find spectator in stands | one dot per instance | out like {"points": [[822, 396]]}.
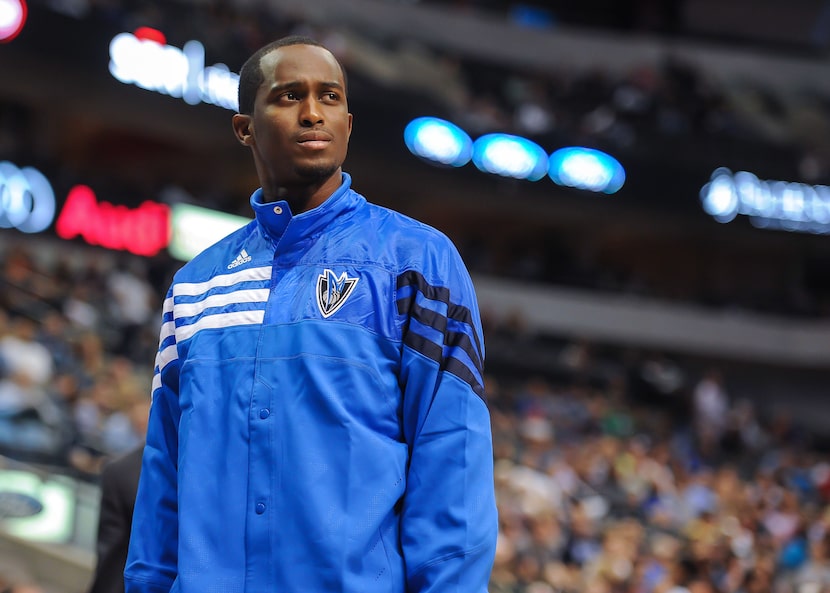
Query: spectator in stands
{"points": [[132, 299], [711, 412], [119, 482], [30, 421], [23, 356]]}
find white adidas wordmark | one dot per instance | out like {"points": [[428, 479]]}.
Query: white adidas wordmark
{"points": [[242, 258]]}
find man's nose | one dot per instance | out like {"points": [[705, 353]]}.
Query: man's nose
{"points": [[311, 113]]}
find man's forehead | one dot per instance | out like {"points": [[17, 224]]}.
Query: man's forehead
{"points": [[299, 58]]}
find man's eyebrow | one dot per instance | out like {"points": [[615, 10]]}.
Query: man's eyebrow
{"points": [[282, 86], [294, 84]]}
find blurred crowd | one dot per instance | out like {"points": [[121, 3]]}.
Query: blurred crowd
{"points": [[602, 487], [77, 345], [601, 492]]}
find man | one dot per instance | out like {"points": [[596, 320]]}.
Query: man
{"points": [[119, 481], [318, 421]]}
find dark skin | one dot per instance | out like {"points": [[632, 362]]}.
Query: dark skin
{"points": [[300, 126]]}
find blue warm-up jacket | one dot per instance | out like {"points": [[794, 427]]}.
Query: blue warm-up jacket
{"points": [[318, 422]]}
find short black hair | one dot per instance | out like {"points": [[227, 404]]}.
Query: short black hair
{"points": [[251, 77]]}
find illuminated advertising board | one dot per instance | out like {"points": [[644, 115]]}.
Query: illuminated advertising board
{"points": [[144, 230], [145, 60], [36, 507], [27, 203], [195, 228]]}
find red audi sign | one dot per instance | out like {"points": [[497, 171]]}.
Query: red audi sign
{"points": [[144, 230]]}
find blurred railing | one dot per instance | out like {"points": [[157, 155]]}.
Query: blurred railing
{"points": [[650, 323]]}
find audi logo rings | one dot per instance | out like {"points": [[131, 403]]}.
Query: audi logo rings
{"points": [[27, 201]]}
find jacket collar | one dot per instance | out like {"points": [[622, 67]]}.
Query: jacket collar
{"points": [[278, 224]]}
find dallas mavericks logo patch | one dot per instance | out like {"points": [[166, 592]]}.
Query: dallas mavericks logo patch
{"points": [[332, 291]]}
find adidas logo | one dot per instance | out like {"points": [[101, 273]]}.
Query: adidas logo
{"points": [[242, 258]]}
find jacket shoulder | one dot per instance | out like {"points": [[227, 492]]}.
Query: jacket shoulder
{"points": [[412, 243], [215, 259]]}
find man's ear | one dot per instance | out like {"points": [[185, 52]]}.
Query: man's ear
{"points": [[242, 128]]}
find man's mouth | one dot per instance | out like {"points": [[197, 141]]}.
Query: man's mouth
{"points": [[314, 140], [314, 144]]}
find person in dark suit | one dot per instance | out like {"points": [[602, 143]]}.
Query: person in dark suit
{"points": [[119, 483]]}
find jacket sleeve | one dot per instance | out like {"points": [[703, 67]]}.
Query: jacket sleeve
{"points": [[448, 516], [152, 558]]}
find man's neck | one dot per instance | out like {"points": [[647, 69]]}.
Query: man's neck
{"points": [[303, 198]]}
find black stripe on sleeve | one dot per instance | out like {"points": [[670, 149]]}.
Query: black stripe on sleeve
{"points": [[453, 339], [456, 312], [407, 306], [452, 365]]}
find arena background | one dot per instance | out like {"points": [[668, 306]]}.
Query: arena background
{"points": [[640, 353]]}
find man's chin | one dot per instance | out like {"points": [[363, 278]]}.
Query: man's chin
{"points": [[316, 173]]}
